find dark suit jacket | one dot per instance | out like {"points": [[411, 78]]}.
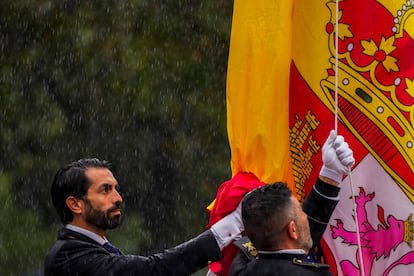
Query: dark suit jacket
{"points": [[76, 254]]}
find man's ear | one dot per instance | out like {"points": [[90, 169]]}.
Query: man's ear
{"points": [[292, 230], [74, 204]]}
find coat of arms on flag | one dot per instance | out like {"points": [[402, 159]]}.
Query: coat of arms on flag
{"points": [[375, 108]]}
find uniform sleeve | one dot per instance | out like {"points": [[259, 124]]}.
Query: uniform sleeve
{"points": [[238, 266], [319, 206]]}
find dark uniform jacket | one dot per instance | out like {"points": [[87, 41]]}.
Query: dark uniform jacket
{"points": [[76, 254], [276, 264], [319, 210]]}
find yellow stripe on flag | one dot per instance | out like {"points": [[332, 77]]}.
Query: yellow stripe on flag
{"points": [[258, 89]]}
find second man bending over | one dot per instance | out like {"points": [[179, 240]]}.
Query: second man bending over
{"points": [[281, 230]]}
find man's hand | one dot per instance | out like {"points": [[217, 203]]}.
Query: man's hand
{"points": [[337, 158]]}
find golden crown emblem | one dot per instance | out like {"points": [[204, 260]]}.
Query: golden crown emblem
{"points": [[375, 82]]}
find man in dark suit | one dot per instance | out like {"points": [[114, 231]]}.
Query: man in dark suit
{"points": [[85, 195]]}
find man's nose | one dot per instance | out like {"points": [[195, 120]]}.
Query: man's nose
{"points": [[118, 197]]}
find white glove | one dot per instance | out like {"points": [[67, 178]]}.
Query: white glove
{"points": [[337, 157], [228, 228]]}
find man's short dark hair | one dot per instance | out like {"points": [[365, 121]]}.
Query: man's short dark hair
{"points": [[71, 180], [265, 213]]}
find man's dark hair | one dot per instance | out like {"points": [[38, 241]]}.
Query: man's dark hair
{"points": [[266, 212], [71, 180]]}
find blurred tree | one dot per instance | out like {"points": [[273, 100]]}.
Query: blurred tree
{"points": [[140, 83]]}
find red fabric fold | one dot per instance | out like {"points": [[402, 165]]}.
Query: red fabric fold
{"points": [[229, 195]]}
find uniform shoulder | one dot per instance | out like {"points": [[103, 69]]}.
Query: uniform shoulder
{"points": [[247, 247], [312, 265]]}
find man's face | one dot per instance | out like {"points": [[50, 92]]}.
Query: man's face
{"points": [[102, 201], [304, 241]]}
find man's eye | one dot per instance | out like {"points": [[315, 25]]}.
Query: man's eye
{"points": [[106, 188]]}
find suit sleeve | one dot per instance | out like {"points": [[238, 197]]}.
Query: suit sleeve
{"points": [[82, 258], [183, 259]]}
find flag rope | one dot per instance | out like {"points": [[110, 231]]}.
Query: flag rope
{"points": [[362, 267], [336, 64], [361, 259]]}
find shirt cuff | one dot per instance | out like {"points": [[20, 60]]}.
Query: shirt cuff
{"points": [[228, 229]]}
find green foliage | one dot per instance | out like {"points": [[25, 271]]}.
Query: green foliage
{"points": [[21, 235], [140, 83]]}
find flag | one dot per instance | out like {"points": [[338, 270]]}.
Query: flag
{"points": [[371, 229], [375, 84], [258, 88], [257, 97]]}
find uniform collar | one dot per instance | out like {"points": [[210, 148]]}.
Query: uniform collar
{"points": [[286, 251], [282, 255]]}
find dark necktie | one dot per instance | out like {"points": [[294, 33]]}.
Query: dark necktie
{"points": [[108, 246]]}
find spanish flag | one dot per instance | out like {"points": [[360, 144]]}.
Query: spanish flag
{"points": [[298, 68]]}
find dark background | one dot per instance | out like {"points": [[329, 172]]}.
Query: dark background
{"points": [[138, 83]]}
